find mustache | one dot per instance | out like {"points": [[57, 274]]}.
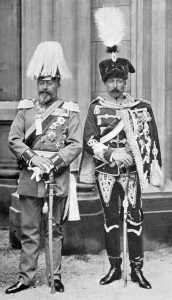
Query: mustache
{"points": [[44, 92], [115, 90]]}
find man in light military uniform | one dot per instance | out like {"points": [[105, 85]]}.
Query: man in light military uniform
{"points": [[121, 134], [45, 135]]}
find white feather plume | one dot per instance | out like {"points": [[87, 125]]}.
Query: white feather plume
{"points": [[110, 25], [47, 57]]}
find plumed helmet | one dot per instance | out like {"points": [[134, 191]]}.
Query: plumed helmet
{"points": [[48, 61], [111, 30]]}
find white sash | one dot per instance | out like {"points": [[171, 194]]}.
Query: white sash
{"points": [[113, 133]]}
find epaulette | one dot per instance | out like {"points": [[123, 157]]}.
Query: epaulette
{"points": [[25, 103], [144, 101], [96, 99], [69, 105]]}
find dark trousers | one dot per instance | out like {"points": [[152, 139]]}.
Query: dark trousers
{"points": [[31, 218], [113, 215]]}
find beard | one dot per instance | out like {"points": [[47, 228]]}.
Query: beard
{"points": [[44, 97]]}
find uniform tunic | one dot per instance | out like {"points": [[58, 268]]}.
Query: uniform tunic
{"points": [[61, 134]]}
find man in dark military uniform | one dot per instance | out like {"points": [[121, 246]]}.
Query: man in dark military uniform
{"points": [[45, 135], [121, 134]]}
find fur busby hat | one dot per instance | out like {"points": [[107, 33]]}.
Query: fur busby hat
{"points": [[111, 30], [48, 62]]}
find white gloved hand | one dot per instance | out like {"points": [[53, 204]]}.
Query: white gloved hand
{"points": [[37, 173], [48, 168], [43, 163], [98, 149], [122, 157]]}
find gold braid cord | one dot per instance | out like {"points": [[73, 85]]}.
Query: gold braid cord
{"points": [[106, 183], [131, 139]]}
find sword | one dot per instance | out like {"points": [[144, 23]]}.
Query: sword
{"points": [[50, 235], [49, 209], [125, 206]]}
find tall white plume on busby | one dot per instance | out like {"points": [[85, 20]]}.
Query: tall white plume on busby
{"points": [[111, 27], [48, 60]]}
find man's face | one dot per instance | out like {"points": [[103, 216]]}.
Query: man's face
{"points": [[115, 87], [47, 89]]}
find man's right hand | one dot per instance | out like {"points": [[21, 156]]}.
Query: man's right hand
{"points": [[43, 163], [122, 158]]}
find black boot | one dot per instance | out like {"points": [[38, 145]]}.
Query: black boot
{"points": [[59, 287], [137, 276], [17, 287], [113, 274]]}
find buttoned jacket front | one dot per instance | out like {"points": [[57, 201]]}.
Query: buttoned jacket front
{"points": [[61, 135]]}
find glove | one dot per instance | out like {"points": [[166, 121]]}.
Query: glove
{"points": [[122, 157], [37, 173], [99, 150]]}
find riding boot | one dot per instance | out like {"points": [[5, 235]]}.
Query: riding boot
{"points": [[137, 275], [114, 273]]}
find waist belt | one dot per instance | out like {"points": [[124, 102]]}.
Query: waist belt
{"points": [[130, 169], [46, 154]]}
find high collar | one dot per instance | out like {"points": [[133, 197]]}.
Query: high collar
{"points": [[124, 101], [42, 107]]}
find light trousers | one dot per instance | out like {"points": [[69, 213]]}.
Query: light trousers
{"points": [[31, 225]]}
